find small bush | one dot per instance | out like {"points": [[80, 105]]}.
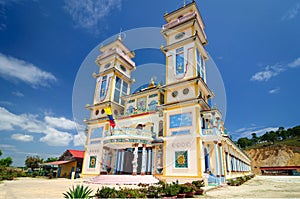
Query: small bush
{"points": [[79, 192]]}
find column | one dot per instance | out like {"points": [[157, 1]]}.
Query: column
{"points": [[217, 158], [134, 161], [144, 160], [149, 160], [122, 161], [221, 161], [229, 163]]}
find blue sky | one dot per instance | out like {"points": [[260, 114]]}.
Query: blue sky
{"points": [[255, 45]]}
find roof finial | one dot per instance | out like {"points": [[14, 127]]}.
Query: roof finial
{"points": [[119, 36]]}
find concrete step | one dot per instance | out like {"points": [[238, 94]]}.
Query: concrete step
{"points": [[123, 179]]}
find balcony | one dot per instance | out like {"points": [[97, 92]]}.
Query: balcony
{"points": [[180, 20], [125, 137], [211, 134]]}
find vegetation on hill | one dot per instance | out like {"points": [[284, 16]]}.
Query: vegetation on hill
{"points": [[280, 137]]}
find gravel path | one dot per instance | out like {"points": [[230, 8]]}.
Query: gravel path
{"points": [[258, 187]]}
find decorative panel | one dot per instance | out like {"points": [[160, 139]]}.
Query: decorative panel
{"points": [[181, 159]]}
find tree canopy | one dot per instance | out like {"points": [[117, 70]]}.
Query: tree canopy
{"points": [[270, 137], [5, 162], [33, 162]]}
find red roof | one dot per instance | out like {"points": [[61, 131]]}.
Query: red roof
{"points": [[280, 168], [77, 153], [57, 162]]}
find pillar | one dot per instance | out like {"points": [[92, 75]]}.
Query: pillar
{"points": [[221, 161], [144, 160], [217, 158], [134, 161], [149, 161]]}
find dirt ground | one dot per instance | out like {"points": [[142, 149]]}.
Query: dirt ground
{"points": [[258, 187]]}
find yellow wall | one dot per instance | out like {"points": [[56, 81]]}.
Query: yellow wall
{"points": [[66, 169]]}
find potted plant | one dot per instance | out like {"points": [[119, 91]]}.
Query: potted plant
{"points": [[171, 190], [189, 189]]}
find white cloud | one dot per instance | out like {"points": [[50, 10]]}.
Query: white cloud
{"points": [[291, 13], [60, 122], [274, 91], [247, 131], [79, 139], [21, 137], [54, 137], [268, 73], [15, 69], [18, 93], [8, 147], [88, 13], [295, 63], [30, 123], [271, 71]]}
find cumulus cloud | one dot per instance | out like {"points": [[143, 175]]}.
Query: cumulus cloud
{"points": [[87, 14], [271, 71], [49, 126], [54, 137], [60, 122], [79, 139], [21, 137], [291, 13], [19, 70]]}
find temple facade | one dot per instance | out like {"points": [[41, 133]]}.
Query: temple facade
{"points": [[170, 131]]}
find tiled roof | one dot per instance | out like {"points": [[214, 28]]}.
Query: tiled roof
{"points": [[77, 153]]}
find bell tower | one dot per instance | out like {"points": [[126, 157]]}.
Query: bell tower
{"points": [[186, 91], [114, 78], [185, 38]]}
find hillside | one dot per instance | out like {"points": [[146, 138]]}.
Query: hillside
{"points": [[274, 156]]}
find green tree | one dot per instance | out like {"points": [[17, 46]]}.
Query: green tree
{"points": [[244, 142], [254, 139], [53, 159], [33, 162], [5, 162]]}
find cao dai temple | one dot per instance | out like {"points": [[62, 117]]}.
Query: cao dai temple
{"points": [[167, 131]]}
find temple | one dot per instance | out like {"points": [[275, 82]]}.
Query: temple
{"points": [[169, 131]]}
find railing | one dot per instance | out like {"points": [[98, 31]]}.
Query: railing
{"points": [[213, 131], [129, 132], [118, 51], [180, 20]]}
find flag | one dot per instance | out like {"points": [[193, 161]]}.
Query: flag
{"points": [[110, 117]]}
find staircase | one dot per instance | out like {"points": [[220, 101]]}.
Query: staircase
{"points": [[123, 179]]}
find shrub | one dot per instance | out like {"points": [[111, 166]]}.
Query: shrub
{"points": [[79, 192]]}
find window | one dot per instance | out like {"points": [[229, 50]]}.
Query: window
{"points": [[121, 89], [181, 120], [179, 61], [161, 128], [96, 133], [103, 88]]}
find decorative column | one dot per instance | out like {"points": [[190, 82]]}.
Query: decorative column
{"points": [[134, 161], [144, 160]]}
